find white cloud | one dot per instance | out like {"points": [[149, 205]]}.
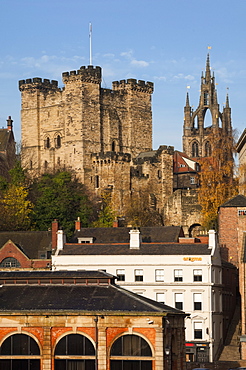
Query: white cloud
{"points": [[140, 63]]}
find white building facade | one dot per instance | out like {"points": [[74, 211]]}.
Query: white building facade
{"points": [[186, 275]]}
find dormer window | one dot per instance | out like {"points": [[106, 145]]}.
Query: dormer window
{"points": [[85, 240]]}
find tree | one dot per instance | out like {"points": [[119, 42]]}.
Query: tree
{"points": [[217, 181], [141, 211], [60, 196], [106, 215], [14, 203]]}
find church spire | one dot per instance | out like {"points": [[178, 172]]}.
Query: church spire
{"points": [[227, 101], [187, 100], [208, 74]]}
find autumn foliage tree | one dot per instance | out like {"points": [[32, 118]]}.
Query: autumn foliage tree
{"points": [[217, 181], [15, 207]]}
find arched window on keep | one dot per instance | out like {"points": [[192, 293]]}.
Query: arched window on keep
{"points": [[47, 143], [58, 141], [131, 352], [19, 351], [75, 352]]}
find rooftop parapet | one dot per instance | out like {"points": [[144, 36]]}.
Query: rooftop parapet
{"points": [[133, 84], [87, 74], [38, 83]]}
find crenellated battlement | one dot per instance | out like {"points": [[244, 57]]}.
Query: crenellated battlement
{"points": [[108, 157], [38, 83], [87, 74], [133, 84]]}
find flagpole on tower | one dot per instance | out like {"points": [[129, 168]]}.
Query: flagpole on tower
{"points": [[90, 36]]}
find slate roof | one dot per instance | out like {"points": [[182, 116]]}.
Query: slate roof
{"points": [[145, 249], [30, 242], [237, 201], [4, 138], [121, 234], [110, 299]]}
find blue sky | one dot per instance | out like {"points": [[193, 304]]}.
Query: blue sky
{"points": [[165, 42]]}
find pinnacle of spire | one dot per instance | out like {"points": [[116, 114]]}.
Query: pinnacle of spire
{"points": [[187, 100], [208, 75], [227, 101]]}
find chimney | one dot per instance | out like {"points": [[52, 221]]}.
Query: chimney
{"points": [[211, 239], [54, 234], [61, 239], [115, 223], [134, 239], [77, 224], [9, 124]]}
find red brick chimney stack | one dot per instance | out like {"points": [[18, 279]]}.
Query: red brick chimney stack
{"points": [[55, 227], [77, 224], [9, 123]]}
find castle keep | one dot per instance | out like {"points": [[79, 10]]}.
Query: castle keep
{"points": [[105, 137]]}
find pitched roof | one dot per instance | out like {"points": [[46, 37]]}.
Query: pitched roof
{"points": [[30, 242], [237, 201], [121, 234], [145, 249], [57, 298], [5, 135]]}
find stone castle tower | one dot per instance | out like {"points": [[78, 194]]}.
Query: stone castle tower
{"points": [[195, 135], [62, 128]]}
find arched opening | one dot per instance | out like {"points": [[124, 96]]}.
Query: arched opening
{"points": [[194, 149], [130, 352], [22, 351], [10, 262], [58, 141], [77, 346], [207, 149], [47, 143], [195, 230]]}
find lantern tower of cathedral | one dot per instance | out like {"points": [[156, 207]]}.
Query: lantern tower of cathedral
{"points": [[195, 135]]}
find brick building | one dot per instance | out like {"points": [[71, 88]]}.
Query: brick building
{"points": [[7, 148], [81, 320], [26, 249]]}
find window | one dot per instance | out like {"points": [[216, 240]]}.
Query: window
{"points": [[130, 352], [96, 181], [10, 262], [208, 150], [197, 299], [47, 143], [74, 345], [120, 274], [192, 180], [58, 141], [113, 146], [178, 275], [205, 96], [23, 353], [160, 297], [197, 275], [138, 275], [159, 275], [194, 150], [197, 330], [179, 301]]}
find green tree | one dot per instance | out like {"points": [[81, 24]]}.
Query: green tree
{"points": [[217, 181], [60, 196], [106, 215]]}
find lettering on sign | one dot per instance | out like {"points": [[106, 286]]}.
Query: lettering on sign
{"points": [[192, 259]]}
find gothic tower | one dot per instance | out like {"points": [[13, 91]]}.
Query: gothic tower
{"points": [[195, 135]]}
